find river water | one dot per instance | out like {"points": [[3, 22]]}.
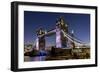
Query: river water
{"points": [[36, 58], [40, 57]]}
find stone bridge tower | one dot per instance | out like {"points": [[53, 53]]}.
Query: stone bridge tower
{"points": [[61, 40], [40, 41]]}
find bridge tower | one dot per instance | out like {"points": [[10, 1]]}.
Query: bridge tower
{"points": [[40, 41], [61, 40]]}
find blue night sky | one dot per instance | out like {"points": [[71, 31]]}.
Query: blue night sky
{"points": [[80, 23]]}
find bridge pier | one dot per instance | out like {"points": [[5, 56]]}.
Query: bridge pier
{"points": [[58, 38], [40, 43], [37, 43], [61, 40]]}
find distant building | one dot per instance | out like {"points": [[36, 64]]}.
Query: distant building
{"points": [[28, 48]]}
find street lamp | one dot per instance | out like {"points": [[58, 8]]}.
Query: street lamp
{"points": [[73, 45]]}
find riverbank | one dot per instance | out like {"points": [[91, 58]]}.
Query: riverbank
{"points": [[59, 54]]}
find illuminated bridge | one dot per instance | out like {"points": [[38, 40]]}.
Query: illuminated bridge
{"points": [[64, 39]]}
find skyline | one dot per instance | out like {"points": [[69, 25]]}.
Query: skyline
{"points": [[80, 23]]}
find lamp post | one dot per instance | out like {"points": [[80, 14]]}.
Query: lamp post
{"points": [[73, 45], [73, 39]]}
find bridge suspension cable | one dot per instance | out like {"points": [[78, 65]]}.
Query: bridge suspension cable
{"points": [[71, 38]]}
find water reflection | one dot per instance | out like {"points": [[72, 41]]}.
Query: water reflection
{"points": [[41, 56], [36, 58]]}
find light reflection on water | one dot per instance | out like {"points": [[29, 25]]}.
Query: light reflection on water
{"points": [[41, 56], [36, 58]]}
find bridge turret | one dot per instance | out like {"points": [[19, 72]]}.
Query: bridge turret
{"points": [[60, 23], [40, 31]]}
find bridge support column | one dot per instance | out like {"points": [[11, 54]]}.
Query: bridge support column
{"points": [[37, 44], [61, 41], [58, 38], [40, 43]]}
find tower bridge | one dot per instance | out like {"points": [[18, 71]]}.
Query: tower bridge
{"points": [[63, 38]]}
